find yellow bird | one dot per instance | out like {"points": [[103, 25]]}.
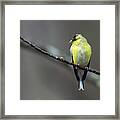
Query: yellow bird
{"points": [[81, 54]]}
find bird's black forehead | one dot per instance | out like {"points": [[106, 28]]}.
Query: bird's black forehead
{"points": [[75, 35], [74, 38]]}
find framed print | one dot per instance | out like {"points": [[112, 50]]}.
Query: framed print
{"points": [[60, 60]]}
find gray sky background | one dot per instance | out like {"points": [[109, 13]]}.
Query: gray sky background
{"points": [[42, 78]]}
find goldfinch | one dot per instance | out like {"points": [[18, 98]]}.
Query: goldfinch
{"points": [[80, 54]]}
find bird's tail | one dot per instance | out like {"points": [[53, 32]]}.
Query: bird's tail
{"points": [[81, 85]]}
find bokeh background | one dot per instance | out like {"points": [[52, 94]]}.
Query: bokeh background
{"points": [[43, 78]]}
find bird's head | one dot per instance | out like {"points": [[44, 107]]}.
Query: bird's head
{"points": [[76, 37]]}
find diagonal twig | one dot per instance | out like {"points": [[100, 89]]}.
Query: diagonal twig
{"points": [[61, 59]]}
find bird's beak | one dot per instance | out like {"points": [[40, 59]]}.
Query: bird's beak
{"points": [[70, 41]]}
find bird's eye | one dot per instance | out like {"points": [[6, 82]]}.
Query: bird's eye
{"points": [[74, 36]]}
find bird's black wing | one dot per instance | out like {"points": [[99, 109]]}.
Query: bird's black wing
{"points": [[85, 72], [77, 75], [76, 72]]}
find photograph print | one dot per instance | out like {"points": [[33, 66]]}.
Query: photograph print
{"points": [[59, 59]]}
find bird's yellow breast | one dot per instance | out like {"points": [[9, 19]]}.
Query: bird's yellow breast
{"points": [[81, 52]]}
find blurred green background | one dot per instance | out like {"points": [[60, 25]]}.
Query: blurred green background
{"points": [[41, 77]]}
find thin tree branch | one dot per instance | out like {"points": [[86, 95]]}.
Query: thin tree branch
{"points": [[61, 59]]}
